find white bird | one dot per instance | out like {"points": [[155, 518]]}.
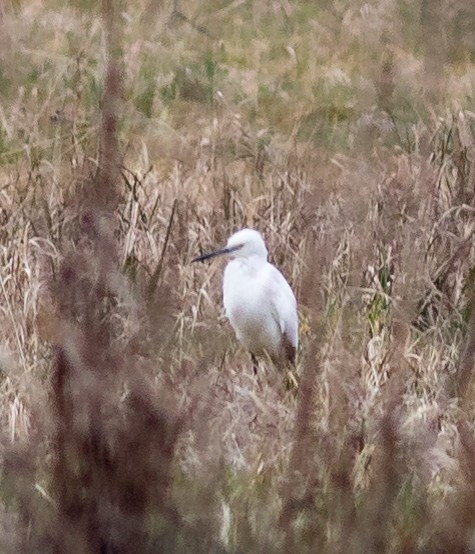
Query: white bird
{"points": [[258, 301]]}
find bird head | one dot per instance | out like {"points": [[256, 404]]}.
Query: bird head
{"points": [[243, 244]]}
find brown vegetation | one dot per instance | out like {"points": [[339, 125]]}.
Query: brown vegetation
{"points": [[132, 138]]}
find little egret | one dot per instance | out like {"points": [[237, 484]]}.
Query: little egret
{"points": [[259, 302]]}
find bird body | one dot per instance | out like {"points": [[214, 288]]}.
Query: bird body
{"points": [[258, 301]]}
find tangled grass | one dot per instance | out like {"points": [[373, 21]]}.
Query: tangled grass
{"points": [[133, 137]]}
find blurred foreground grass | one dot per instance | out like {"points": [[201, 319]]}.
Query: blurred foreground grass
{"points": [[133, 136]]}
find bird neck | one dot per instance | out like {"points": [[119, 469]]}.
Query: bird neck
{"points": [[253, 263]]}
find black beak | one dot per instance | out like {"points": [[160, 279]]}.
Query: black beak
{"points": [[219, 252]]}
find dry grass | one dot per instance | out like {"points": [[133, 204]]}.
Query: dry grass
{"points": [[132, 138]]}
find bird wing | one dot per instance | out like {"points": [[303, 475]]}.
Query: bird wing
{"points": [[284, 306]]}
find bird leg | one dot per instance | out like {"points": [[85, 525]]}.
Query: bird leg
{"points": [[289, 351], [255, 363]]}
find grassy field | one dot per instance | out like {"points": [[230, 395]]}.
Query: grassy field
{"points": [[136, 135]]}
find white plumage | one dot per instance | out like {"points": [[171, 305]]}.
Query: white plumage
{"points": [[259, 302]]}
